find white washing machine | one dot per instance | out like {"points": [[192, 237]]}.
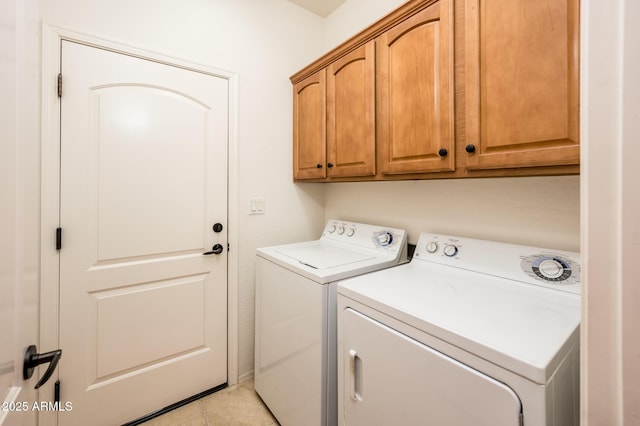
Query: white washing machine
{"points": [[469, 333], [295, 324]]}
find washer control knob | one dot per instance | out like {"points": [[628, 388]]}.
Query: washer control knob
{"points": [[450, 250], [432, 247], [332, 228], [350, 232], [340, 229], [383, 238], [551, 268]]}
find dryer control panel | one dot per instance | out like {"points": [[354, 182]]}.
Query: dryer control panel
{"points": [[552, 268], [556, 269]]}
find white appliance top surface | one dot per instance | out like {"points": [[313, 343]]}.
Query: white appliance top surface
{"points": [[345, 249], [323, 256], [522, 327]]}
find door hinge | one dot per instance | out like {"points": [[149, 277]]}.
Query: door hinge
{"points": [[56, 392], [228, 248], [58, 238], [59, 85]]}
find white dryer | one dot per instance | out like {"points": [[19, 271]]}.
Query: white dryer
{"points": [[295, 323], [470, 333]]}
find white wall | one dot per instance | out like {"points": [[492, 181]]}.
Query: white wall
{"points": [[352, 17], [539, 211], [536, 211], [264, 41]]}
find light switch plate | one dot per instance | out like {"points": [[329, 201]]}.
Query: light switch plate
{"points": [[256, 206]]}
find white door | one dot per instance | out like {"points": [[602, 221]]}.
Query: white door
{"points": [[143, 313], [388, 378], [18, 270]]}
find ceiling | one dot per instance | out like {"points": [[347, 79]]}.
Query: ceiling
{"points": [[319, 7]]}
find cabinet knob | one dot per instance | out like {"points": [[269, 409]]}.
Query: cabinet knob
{"points": [[471, 148], [319, 166], [329, 165], [443, 152]]}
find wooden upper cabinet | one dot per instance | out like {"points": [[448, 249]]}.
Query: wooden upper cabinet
{"points": [[334, 119], [351, 114], [396, 102], [415, 93], [309, 127], [521, 83]]}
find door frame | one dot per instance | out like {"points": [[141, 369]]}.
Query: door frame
{"points": [[52, 38]]}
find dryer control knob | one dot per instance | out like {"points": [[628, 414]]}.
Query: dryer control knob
{"points": [[350, 232], [383, 239], [450, 250], [432, 247], [340, 229], [551, 268], [332, 228]]}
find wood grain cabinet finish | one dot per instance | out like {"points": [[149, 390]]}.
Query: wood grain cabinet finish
{"points": [[445, 89], [522, 83], [351, 138], [415, 93], [309, 127], [334, 119]]}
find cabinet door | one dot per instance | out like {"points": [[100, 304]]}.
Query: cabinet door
{"points": [[390, 379], [415, 93], [522, 83], [309, 124], [351, 111]]}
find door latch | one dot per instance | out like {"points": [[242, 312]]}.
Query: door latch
{"points": [[32, 359], [216, 249]]}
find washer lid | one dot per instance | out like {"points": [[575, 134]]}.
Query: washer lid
{"points": [[328, 261], [320, 256], [522, 328]]}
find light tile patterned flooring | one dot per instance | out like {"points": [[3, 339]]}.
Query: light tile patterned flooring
{"points": [[238, 405]]}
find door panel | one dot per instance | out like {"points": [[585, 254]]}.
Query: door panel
{"points": [[522, 83], [309, 127], [389, 378], [157, 136], [351, 114], [415, 93], [182, 297], [143, 179]]}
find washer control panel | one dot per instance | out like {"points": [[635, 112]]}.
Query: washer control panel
{"points": [[533, 265], [364, 235], [383, 238]]}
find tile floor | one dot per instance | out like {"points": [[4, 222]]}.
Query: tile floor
{"points": [[238, 405]]}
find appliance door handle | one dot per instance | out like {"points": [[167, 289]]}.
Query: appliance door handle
{"points": [[356, 375]]}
